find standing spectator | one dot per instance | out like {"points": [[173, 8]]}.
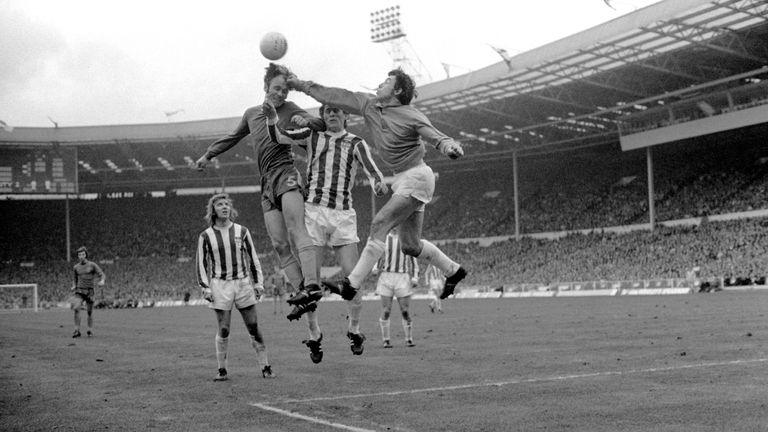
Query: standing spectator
{"points": [[229, 272], [83, 289]]}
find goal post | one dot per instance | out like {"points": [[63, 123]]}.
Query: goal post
{"points": [[18, 297]]}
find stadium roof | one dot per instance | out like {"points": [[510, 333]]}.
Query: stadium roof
{"points": [[574, 92]]}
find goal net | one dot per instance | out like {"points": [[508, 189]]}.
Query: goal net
{"points": [[18, 297]]}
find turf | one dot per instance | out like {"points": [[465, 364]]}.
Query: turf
{"points": [[662, 363]]}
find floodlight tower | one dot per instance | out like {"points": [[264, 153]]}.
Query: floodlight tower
{"points": [[387, 28]]}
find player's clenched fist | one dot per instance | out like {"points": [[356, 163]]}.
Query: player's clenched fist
{"points": [[208, 295]]}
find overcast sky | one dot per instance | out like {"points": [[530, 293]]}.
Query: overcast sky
{"points": [[124, 62]]}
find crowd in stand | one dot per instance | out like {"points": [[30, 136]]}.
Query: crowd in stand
{"points": [[147, 245], [729, 250]]}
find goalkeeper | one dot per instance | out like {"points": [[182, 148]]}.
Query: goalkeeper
{"points": [[229, 272], [398, 132]]}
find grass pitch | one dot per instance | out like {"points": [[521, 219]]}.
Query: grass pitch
{"points": [[663, 363]]}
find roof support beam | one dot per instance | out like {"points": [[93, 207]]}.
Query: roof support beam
{"points": [[707, 37]]}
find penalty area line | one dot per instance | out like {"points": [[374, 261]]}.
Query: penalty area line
{"points": [[309, 418], [529, 380]]}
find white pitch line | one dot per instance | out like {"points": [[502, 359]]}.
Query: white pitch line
{"points": [[309, 419], [524, 381]]}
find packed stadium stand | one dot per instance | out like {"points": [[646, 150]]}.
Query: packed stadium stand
{"points": [[635, 150]]}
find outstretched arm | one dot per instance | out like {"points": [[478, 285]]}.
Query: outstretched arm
{"points": [[350, 102], [223, 144], [441, 141]]}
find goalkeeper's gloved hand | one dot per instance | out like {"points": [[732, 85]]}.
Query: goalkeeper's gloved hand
{"points": [[451, 148]]}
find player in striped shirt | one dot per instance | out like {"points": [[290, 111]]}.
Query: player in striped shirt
{"points": [[434, 279], [282, 198], [398, 132], [399, 273], [229, 273], [86, 272], [333, 158]]}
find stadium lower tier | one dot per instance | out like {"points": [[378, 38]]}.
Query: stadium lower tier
{"points": [[727, 253]]}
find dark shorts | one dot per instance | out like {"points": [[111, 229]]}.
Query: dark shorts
{"points": [[275, 184], [80, 298], [278, 290]]}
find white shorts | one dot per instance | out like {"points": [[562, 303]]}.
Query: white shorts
{"points": [[330, 227], [417, 182], [228, 293], [394, 285], [436, 286]]}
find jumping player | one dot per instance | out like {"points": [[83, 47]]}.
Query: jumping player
{"points": [[282, 200], [398, 131], [333, 158]]}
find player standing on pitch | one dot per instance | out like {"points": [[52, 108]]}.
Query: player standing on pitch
{"points": [[282, 200], [85, 272], [333, 159], [229, 271], [399, 274], [277, 284], [398, 131], [435, 280]]}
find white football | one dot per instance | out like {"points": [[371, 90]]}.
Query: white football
{"points": [[273, 46]]}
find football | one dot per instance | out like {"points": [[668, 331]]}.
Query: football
{"points": [[273, 46]]}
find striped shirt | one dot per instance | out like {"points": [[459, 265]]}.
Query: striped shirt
{"points": [[332, 162], [397, 130], [433, 273], [395, 261], [227, 254]]}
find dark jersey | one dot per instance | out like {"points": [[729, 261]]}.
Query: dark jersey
{"points": [[269, 154], [85, 274]]}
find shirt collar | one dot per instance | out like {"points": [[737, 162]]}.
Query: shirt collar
{"points": [[336, 134], [392, 104]]}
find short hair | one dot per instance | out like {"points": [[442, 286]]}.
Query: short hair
{"points": [[405, 84], [82, 249], [324, 107], [275, 70], [210, 212]]}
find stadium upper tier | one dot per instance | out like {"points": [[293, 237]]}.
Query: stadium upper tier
{"points": [[594, 189], [577, 92]]}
